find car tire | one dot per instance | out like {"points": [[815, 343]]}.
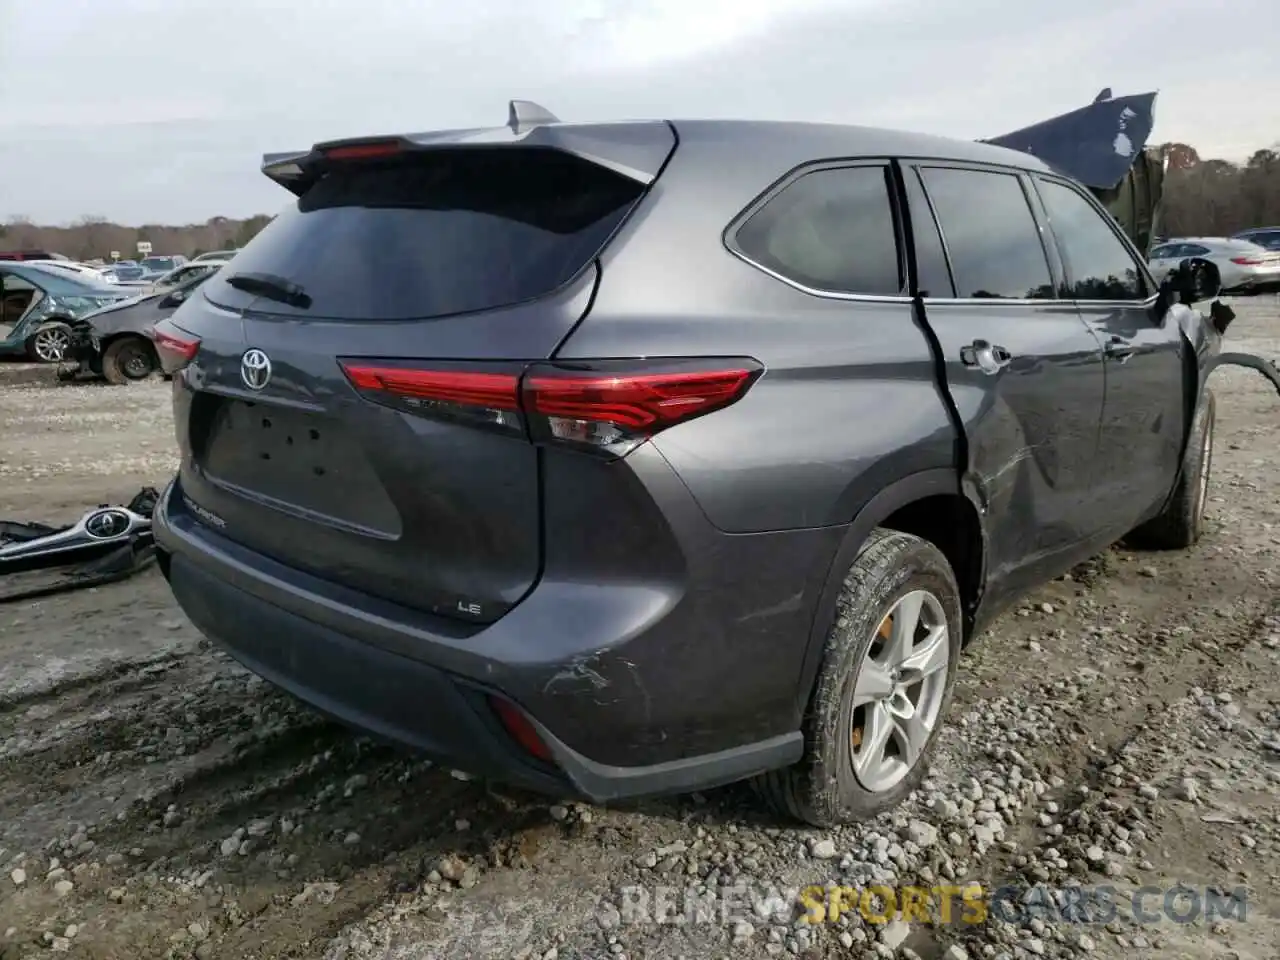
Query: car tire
{"points": [[1181, 523], [128, 359], [49, 343], [838, 780]]}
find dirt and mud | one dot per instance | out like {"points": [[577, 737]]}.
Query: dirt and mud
{"points": [[1119, 731]]}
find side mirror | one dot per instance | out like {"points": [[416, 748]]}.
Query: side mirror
{"points": [[1195, 280], [174, 299]]}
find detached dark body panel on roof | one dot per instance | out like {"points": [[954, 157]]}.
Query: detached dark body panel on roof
{"points": [[1104, 146]]}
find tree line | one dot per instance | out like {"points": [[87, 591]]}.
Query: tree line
{"points": [[1207, 198], [94, 238], [1216, 198]]}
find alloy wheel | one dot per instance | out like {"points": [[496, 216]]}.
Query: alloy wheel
{"points": [[899, 691], [51, 344]]}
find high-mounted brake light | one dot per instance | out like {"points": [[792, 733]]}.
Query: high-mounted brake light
{"points": [[364, 151], [606, 407], [175, 351]]}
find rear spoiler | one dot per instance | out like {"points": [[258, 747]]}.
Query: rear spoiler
{"points": [[637, 150], [1104, 147]]}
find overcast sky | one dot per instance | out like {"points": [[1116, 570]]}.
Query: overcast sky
{"points": [[160, 110]]}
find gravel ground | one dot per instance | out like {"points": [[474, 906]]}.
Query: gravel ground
{"points": [[1120, 729]]}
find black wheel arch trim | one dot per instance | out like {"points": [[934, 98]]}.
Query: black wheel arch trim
{"points": [[830, 579]]}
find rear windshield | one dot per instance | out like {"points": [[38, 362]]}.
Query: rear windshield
{"points": [[435, 234]]}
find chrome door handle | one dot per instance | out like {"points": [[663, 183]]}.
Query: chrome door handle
{"points": [[1119, 349], [987, 357]]}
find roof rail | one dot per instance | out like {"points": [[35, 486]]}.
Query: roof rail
{"points": [[523, 114]]}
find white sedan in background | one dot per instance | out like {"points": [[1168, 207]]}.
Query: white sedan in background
{"points": [[1243, 267]]}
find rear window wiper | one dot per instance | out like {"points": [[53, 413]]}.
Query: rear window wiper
{"points": [[272, 287]]}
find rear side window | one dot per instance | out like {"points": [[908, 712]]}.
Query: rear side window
{"points": [[934, 278], [831, 231], [1099, 264], [990, 234], [435, 234]]}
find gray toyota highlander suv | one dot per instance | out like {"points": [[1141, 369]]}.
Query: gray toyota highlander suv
{"points": [[627, 458]]}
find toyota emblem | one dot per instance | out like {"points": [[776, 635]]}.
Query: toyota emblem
{"points": [[255, 369], [106, 524]]}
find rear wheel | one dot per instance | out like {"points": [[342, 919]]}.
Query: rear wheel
{"points": [[1181, 523], [882, 689], [128, 359], [49, 344]]}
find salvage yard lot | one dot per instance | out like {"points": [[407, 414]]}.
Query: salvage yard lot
{"points": [[1121, 727]]}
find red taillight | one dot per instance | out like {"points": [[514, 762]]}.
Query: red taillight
{"points": [[520, 728], [175, 351], [1247, 261], [479, 397], [608, 407], [496, 391], [364, 151], [616, 412]]}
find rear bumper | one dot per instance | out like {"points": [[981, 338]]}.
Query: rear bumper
{"points": [[413, 680], [1254, 281]]}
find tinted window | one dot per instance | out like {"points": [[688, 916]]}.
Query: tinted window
{"points": [[435, 234], [1159, 253], [934, 279], [991, 236], [13, 283], [1192, 250], [830, 230], [1099, 264]]}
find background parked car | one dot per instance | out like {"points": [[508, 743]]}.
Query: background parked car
{"points": [[89, 272], [28, 255], [114, 342], [186, 273], [1268, 237], [38, 303], [128, 274], [1241, 266], [155, 267]]}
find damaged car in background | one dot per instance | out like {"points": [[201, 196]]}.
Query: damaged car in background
{"points": [[116, 343], [38, 304]]}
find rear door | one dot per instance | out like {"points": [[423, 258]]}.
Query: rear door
{"points": [[1142, 428], [1025, 374], [315, 419]]}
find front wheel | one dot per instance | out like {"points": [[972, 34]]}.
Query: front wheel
{"points": [[883, 687], [128, 359], [49, 344]]}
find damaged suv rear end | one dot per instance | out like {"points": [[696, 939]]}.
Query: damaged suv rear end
{"points": [[387, 472]]}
